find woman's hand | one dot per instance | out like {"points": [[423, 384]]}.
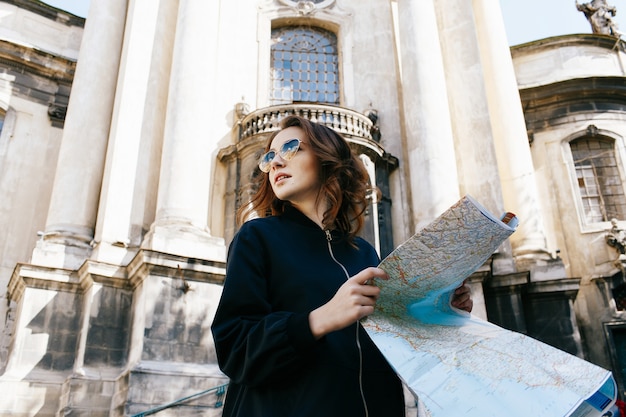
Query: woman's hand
{"points": [[462, 298], [354, 300]]}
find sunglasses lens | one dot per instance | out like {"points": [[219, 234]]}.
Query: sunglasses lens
{"points": [[266, 161], [289, 149]]}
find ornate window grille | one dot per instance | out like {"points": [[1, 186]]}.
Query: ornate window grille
{"points": [[305, 66]]}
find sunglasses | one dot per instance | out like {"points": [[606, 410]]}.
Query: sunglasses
{"points": [[287, 151]]}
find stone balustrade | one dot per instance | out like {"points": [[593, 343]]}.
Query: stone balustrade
{"points": [[347, 122]]}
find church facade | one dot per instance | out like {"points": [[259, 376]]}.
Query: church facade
{"points": [[129, 140]]}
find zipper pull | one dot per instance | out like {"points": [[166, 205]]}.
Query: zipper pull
{"points": [[328, 235]]}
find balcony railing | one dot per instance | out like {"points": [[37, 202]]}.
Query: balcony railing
{"points": [[347, 122]]}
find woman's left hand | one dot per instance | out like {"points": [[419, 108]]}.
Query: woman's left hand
{"points": [[462, 298]]}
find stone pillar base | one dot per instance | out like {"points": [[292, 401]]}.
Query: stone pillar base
{"points": [[29, 397], [87, 397], [185, 240], [59, 250]]}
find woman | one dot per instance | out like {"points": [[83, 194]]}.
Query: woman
{"points": [[287, 329]]}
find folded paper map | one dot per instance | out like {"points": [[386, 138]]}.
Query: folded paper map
{"points": [[460, 365]]}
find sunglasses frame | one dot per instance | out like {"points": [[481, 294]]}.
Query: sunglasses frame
{"points": [[265, 161]]}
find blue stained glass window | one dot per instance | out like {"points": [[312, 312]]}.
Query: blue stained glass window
{"points": [[311, 57]]}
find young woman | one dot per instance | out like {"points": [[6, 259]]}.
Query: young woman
{"points": [[287, 330]]}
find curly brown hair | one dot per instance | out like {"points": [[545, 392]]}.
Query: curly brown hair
{"points": [[344, 179]]}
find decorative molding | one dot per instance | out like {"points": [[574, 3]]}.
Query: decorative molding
{"points": [[57, 114], [307, 7]]}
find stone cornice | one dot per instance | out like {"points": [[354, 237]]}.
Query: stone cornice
{"points": [[554, 42], [145, 263], [25, 59], [575, 95], [48, 11]]}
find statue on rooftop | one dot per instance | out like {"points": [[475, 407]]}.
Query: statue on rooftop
{"points": [[600, 15]]}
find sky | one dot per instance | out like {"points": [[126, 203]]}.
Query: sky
{"points": [[77, 7], [529, 20], [525, 20]]}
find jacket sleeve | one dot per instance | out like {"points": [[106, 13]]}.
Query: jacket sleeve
{"points": [[255, 344]]}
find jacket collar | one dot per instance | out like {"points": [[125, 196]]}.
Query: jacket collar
{"points": [[293, 214]]}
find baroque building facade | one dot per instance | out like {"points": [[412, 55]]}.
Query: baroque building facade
{"points": [[119, 199]]}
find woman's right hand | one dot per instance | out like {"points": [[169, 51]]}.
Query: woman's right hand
{"points": [[355, 299]]}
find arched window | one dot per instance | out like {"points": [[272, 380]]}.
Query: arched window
{"points": [[304, 66], [599, 179]]}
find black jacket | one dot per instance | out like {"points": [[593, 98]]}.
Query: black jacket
{"points": [[278, 270]]}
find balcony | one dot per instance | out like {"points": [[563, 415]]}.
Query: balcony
{"points": [[357, 128]]}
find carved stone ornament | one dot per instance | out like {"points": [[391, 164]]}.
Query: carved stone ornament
{"points": [[306, 7], [616, 238], [242, 109], [592, 130], [56, 113]]}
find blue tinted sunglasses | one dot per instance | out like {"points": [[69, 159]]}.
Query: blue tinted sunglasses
{"points": [[287, 151]]}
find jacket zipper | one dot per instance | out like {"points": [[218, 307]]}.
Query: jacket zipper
{"points": [[329, 239]]}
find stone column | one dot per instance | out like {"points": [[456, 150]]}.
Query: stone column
{"points": [[476, 156], [136, 129], [136, 134], [180, 226], [76, 190], [429, 142], [517, 175]]}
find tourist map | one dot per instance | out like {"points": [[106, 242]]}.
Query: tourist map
{"points": [[460, 365]]}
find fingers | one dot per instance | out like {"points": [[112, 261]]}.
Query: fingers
{"points": [[465, 305], [353, 301], [462, 298], [362, 287], [359, 292], [368, 274], [345, 308], [463, 288]]}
